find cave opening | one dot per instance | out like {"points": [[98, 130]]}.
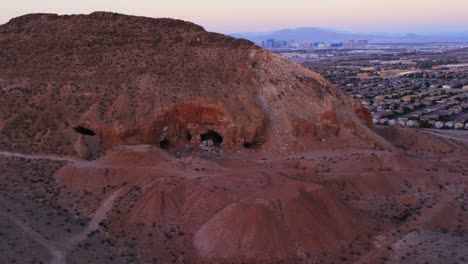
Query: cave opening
{"points": [[252, 145], [164, 144], [216, 138], [188, 136], [84, 131]]}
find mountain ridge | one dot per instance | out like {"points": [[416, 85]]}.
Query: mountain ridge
{"points": [[317, 34]]}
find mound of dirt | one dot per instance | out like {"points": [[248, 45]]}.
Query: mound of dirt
{"points": [[279, 223], [416, 140]]}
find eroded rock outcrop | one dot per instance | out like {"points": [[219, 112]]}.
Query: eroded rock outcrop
{"points": [[136, 80]]}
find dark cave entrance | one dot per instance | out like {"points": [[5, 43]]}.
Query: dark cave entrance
{"points": [[164, 144], [216, 138], [252, 145], [188, 136], [84, 131]]}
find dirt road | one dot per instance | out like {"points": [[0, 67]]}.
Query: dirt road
{"points": [[60, 249]]}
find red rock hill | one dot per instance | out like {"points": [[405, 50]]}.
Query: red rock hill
{"points": [[137, 80]]}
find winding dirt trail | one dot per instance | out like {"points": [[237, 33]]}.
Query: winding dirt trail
{"points": [[58, 254], [40, 157], [60, 249], [99, 215]]}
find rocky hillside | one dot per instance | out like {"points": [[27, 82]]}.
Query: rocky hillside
{"points": [[299, 176], [78, 85]]}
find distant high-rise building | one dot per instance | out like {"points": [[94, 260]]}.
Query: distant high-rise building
{"points": [[275, 44], [336, 45], [280, 44], [319, 45], [269, 44], [304, 44], [362, 43], [351, 43]]}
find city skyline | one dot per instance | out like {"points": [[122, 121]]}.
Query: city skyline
{"points": [[365, 16]]}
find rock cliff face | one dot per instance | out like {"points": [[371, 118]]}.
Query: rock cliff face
{"points": [[134, 80]]}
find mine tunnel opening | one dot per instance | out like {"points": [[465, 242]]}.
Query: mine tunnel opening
{"points": [[188, 136], [252, 145], [216, 138], [84, 131], [164, 144]]}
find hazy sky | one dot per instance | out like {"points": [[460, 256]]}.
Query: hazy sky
{"points": [[263, 15]]}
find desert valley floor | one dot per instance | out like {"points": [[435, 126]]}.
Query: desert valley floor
{"points": [[141, 204]]}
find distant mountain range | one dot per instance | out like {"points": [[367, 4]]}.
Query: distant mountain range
{"points": [[331, 35]]}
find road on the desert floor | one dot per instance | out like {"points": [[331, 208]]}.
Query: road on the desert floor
{"points": [[39, 156], [457, 135], [58, 254], [60, 249]]}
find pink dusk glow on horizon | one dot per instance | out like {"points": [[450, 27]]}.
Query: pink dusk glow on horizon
{"points": [[266, 15]]}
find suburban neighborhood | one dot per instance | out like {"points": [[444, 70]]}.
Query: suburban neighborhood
{"points": [[415, 86]]}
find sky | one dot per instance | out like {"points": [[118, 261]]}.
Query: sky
{"points": [[229, 16]]}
